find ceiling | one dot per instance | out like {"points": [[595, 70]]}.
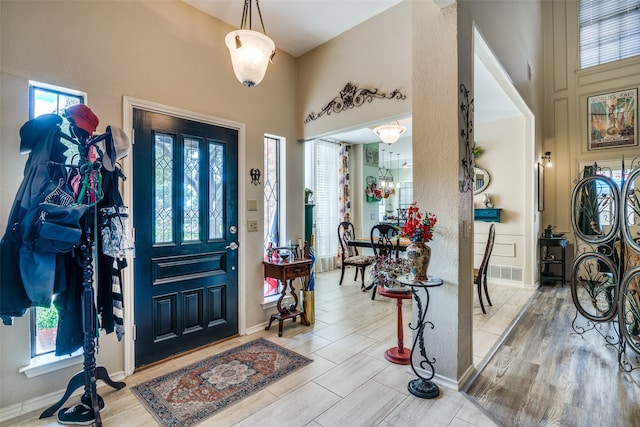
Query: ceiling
{"points": [[298, 26]]}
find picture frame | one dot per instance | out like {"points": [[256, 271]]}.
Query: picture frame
{"points": [[371, 156], [540, 187], [612, 120]]}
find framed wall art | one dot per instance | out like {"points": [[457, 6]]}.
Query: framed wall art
{"points": [[371, 156], [612, 120]]}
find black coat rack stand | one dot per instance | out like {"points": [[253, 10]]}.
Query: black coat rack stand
{"points": [[90, 372]]}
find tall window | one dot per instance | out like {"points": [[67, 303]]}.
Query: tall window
{"points": [[271, 219], [325, 157], [406, 194], [609, 31], [46, 99]]}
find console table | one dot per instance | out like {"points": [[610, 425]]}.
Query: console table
{"points": [[286, 272]]}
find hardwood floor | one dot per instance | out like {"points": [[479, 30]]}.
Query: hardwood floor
{"points": [[545, 374], [349, 383]]}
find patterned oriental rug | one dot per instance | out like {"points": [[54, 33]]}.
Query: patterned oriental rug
{"points": [[194, 393]]}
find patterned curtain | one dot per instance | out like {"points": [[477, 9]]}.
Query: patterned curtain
{"points": [[343, 182]]}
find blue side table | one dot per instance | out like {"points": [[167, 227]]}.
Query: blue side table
{"points": [[422, 386]]}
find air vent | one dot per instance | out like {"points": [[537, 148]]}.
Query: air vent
{"points": [[505, 273]]}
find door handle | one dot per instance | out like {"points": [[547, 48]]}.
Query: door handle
{"points": [[233, 246]]}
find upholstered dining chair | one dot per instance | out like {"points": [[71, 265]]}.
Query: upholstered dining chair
{"points": [[480, 274], [384, 242], [349, 255]]}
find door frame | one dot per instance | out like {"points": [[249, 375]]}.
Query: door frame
{"points": [[128, 104]]}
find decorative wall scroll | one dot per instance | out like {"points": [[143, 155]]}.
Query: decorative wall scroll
{"points": [[612, 119], [352, 96], [466, 106]]}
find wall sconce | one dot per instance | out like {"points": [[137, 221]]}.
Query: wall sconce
{"points": [[547, 157], [251, 51], [255, 176]]}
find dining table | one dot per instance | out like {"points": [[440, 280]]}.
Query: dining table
{"points": [[365, 242]]}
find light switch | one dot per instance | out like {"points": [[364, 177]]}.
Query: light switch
{"points": [[252, 205], [252, 225]]}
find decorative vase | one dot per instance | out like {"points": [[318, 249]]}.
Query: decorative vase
{"points": [[418, 255]]}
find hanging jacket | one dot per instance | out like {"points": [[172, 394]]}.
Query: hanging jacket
{"points": [[40, 137]]}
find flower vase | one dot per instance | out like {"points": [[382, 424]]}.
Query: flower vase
{"points": [[418, 255]]}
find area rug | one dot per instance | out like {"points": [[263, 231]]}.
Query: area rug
{"points": [[194, 393]]}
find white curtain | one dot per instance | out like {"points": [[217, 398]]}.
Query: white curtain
{"points": [[326, 157]]}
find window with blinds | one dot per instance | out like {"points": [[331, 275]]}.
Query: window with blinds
{"points": [[609, 31], [325, 158]]}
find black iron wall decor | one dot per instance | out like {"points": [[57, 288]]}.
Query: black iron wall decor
{"points": [[255, 176], [466, 106], [605, 285], [352, 96]]}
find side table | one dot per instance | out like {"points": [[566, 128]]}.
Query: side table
{"points": [[422, 386], [286, 272], [546, 258], [399, 354]]}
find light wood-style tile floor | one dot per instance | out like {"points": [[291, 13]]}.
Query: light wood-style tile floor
{"points": [[349, 382]]}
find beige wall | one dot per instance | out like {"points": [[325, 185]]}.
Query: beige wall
{"points": [[165, 52], [504, 159], [567, 89], [374, 55]]}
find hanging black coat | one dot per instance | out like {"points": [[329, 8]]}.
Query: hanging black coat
{"points": [[40, 137]]}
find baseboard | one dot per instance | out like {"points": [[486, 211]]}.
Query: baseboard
{"points": [[45, 401], [256, 328], [449, 383]]}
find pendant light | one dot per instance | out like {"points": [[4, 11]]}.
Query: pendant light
{"points": [[251, 51]]}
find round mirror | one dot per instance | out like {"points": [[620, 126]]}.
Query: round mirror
{"points": [[481, 179]]}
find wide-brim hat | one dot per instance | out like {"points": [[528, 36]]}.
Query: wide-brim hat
{"points": [[117, 146], [83, 117]]}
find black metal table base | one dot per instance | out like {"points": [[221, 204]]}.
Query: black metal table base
{"points": [[423, 388]]}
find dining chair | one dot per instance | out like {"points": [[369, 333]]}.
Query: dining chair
{"points": [[349, 255], [385, 244], [480, 274]]}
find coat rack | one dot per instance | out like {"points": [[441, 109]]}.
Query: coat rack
{"points": [[90, 373]]}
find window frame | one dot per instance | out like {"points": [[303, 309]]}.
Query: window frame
{"points": [[58, 92]]}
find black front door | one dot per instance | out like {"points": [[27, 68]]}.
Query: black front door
{"points": [[185, 219]]}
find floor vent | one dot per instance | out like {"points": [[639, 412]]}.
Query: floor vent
{"points": [[505, 273]]}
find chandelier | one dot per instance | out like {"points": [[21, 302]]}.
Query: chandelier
{"points": [[251, 51], [385, 178]]}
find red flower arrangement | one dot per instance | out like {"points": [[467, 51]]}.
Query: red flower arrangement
{"points": [[417, 228]]}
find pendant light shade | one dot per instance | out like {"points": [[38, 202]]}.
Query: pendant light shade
{"points": [[251, 51], [389, 133]]}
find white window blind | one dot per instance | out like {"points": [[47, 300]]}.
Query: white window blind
{"points": [[326, 156], [609, 31]]}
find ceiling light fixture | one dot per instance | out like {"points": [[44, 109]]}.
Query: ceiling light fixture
{"points": [[547, 157], [251, 51], [389, 133]]}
